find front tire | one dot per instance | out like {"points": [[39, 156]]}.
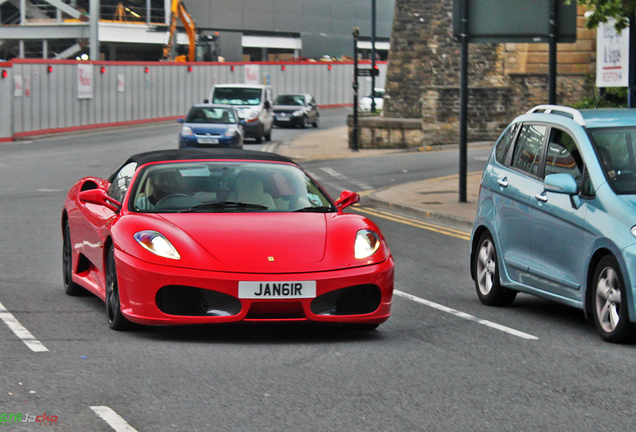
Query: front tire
{"points": [[116, 319], [260, 135], [70, 287], [609, 310], [489, 289]]}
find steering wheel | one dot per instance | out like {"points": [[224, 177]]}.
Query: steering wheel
{"points": [[177, 200]]}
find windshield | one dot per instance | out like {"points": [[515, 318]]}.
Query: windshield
{"points": [[237, 96], [211, 115], [224, 186], [615, 148], [290, 100]]}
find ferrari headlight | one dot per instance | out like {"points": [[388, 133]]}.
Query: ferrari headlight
{"points": [[156, 243], [633, 230], [186, 130], [367, 243]]}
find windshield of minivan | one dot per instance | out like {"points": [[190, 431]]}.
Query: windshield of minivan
{"points": [[616, 148], [237, 96]]}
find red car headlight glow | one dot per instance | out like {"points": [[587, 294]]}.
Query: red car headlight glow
{"points": [[156, 243], [367, 243]]}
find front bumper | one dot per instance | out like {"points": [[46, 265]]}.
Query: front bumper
{"points": [[161, 295], [288, 120], [193, 141], [253, 129]]}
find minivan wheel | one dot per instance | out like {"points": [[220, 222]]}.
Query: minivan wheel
{"points": [[609, 310], [489, 289]]}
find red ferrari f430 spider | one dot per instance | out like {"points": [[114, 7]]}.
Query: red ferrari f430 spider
{"points": [[218, 236]]}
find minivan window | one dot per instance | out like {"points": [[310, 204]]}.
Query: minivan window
{"points": [[503, 145], [527, 152], [237, 96], [615, 148], [563, 156]]}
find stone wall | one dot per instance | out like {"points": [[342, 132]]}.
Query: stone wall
{"points": [[504, 79]]}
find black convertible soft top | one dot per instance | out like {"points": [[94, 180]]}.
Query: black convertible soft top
{"points": [[203, 154]]}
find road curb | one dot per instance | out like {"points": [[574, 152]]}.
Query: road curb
{"points": [[373, 201]]}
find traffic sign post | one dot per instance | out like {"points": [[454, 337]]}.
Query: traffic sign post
{"points": [[354, 134]]}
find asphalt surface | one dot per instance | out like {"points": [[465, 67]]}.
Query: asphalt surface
{"points": [[436, 199], [443, 362]]}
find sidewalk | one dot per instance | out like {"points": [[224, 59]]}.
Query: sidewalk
{"points": [[435, 199]]}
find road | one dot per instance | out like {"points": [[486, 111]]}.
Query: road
{"points": [[443, 362]]}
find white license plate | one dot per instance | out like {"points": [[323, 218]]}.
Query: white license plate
{"points": [[277, 290], [282, 118], [207, 140]]}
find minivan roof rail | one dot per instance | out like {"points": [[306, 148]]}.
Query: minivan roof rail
{"points": [[572, 113]]}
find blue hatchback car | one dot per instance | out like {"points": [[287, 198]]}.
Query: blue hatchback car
{"points": [[211, 126], [557, 215]]}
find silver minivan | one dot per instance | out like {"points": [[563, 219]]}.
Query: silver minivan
{"points": [[253, 102]]}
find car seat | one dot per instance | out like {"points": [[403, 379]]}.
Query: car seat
{"points": [[249, 189]]}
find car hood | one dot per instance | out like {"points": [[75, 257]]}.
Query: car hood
{"points": [[288, 108], [245, 110], [209, 128], [257, 242]]}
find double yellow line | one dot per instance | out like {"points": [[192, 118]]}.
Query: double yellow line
{"points": [[464, 235]]}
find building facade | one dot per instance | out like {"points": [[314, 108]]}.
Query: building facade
{"points": [[504, 80], [245, 30]]}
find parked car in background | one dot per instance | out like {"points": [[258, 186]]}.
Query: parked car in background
{"points": [[557, 215], [365, 102], [196, 236], [253, 102], [211, 125], [298, 109]]}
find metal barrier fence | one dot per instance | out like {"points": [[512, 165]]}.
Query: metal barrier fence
{"points": [[47, 96]]}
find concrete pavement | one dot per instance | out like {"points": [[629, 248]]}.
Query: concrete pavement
{"points": [[435, 199]]}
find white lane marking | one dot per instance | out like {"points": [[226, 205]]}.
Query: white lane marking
{"points": [[466, 316], [332, 172], [113, 419], [20, 331]]}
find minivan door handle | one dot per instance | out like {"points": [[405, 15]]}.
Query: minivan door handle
{"points": [[503, 182], [541, 197]]}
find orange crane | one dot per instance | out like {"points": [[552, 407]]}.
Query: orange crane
{"points": [[200, 47]]}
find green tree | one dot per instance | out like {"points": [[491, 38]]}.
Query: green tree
{"points": [[602, 10]]}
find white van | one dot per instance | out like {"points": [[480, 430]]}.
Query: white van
{"points": [[253, 103]]}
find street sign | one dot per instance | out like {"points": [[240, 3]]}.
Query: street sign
{"points": [[515, 21], [612, 56]]}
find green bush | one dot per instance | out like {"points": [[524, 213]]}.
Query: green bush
{"points": [[609, 97]]}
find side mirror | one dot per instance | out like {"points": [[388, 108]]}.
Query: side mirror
{"points": [[267, 105], [561, 183], [181, 120], [99, 197], [206, 100], [346, 199]]}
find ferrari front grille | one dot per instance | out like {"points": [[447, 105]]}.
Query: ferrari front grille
{"points": [[191, 301]]}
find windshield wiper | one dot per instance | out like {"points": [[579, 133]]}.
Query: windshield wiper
{"points": [[318, 209], [223, 205]]}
